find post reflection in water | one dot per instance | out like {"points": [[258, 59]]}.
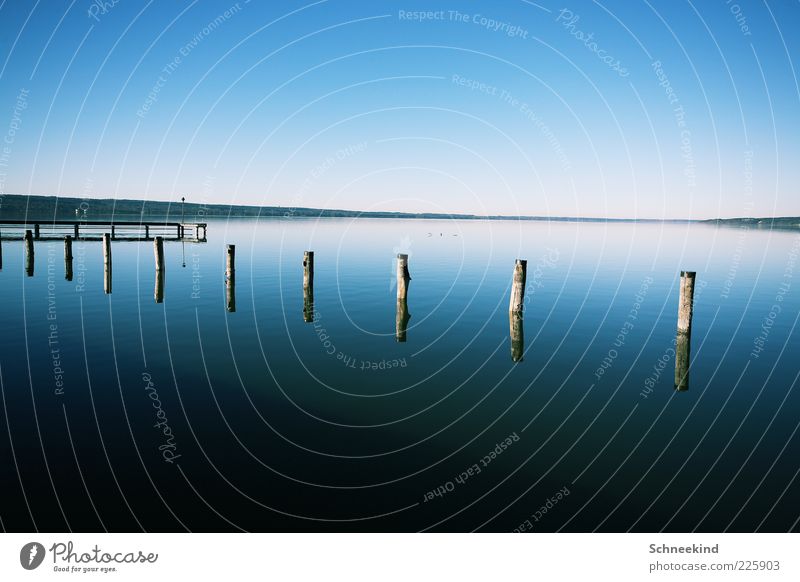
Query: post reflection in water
{"points": [[517, 333], [682, 358], [401, 320]]}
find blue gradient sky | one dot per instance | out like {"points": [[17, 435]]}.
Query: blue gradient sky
{"points": [[345, 104]]}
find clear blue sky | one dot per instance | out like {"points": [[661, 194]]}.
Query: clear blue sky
{"points": [[622, 109]]}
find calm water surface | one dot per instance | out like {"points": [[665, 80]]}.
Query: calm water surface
{"points": [[125, 414]]}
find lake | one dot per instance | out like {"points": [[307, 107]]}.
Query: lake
{"points": [[125, 414]]}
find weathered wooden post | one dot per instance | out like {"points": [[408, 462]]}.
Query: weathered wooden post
{"points": [[683, 341], [230, 295], [159, 290], [403, 277], [517, 333], [682, 358], [29, 257], [517, 302], [230, 262], [308, 286], [68, 258], [113, 231], [36, 234], [77, 226], [401, 321], [106, 262], [146, 232], [685, 306], [230, 279], [158, 251]]}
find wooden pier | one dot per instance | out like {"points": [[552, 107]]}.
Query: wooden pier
{"points": [[93, 230]]}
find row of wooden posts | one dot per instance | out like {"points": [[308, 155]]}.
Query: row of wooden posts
{"points": [[515, 307], [682, 341]]}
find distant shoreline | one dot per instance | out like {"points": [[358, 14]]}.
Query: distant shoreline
{"points": [[42, 208]]}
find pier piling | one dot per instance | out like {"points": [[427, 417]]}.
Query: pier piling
{"points": [[308, 286], [401, 321], [684, 339], [230, 262], [230, 279], [403, 277], [158, 294], [107, 262], [685, 306], [68, 258], [158, 251], [29, 253], [517, 301], [517, 333], [682, 355]]}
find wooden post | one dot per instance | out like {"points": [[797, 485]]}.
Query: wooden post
{"points": [[517, 333], [308, 286], [107, 262], [401, 321], [68, 258], [29, 257], [517, 302], [685, 306], [146, 232], [113, 231], [403, 277], [36, 234], [230, 279], [159, 290], [77, 225], [230, 294], [158, 251], [682, 356], [230, 262]]}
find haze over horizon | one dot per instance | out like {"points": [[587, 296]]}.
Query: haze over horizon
{"points": [[674, 111]]}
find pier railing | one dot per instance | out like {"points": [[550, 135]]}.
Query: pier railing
{"points": [[94, 230]]}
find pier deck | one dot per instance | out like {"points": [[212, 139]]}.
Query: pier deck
{"points": [[94, 229]]}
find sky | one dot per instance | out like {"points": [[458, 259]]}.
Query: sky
{"points": [[652, 109]]}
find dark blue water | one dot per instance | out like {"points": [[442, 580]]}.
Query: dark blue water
{"points": [[124, 414]]}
